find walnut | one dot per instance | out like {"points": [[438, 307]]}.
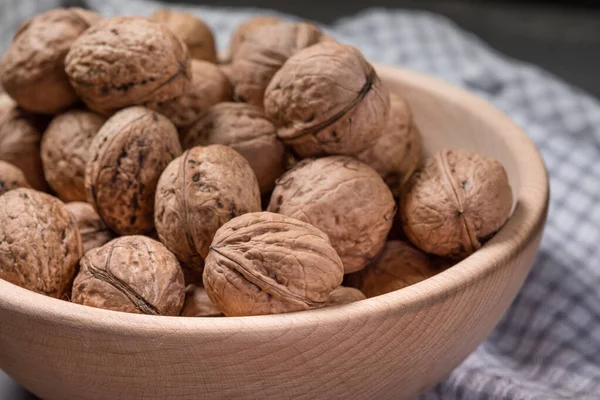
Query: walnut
{"points": [[344, 295], [263, 52], [197, 193], [327, 99], [244, 29], [94, 232], [32, 69], [40, 245], [64, 150], [11, 178], [454, 202], [125, 61], [246, 129], [344, 198], [20, 145], [265, 263], [198, 304], [132, 274], [209, 86], [126, 159], [397, 153]]}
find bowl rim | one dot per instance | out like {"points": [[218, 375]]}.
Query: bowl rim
{"points": [[521, 229]]}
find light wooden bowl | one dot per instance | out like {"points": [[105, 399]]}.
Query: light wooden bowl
{"points": [[393, 346]]}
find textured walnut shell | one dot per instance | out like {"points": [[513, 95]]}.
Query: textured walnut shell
{"points": [[209, 86], [32, 69], [198, 304], [344, 198], [64, 150], [192, 31], [246, 129], [263, 52], [244, 29], [20, 145], [94, 232], [344, 295], [132, 274], [265, 263], [125, 61], [197, 193], [397, 153], [126, 159], [327, 99], [454, 202], [11, 178], [40, 245]]}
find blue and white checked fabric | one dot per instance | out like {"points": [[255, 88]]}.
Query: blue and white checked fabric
{"points": [[548, 344]]}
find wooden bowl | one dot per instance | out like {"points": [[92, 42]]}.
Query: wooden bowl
{"points": [[392, 346]]}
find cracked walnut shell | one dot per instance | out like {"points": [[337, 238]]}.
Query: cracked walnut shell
{"points": [[94, 232], [198, 304], [265, 263], [40, 244], [327, 99], [132, 274], [11, 178], [454, 202]]}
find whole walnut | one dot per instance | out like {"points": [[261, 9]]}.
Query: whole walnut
{"points": [[246, 129], [132, 274], [244, 29], [263, 52], [11, 178], [20, 145], [40, 244], [125, 61], [265, 263], [198, 304], [197, 193], [64, 150], [209, 86], [193, 32], [327, 99], [344, 295], [126, 158], [94, 232], [397, 153], [32, 69], [344, 198], [454, 202]]}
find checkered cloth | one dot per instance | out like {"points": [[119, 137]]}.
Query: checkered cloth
{"points": [[548, 344]]}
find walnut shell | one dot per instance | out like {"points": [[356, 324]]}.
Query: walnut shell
{"points": [[132, 274], [246, 129], [397, 153], [454, 202], [344, 295], [197, 193], [198, 304], [11, 178], [327, 99], [344, 198], [65, 149], [40, 244], [244, 29], [32, 69], [192, 31], [126, 158], [265, 263], [125, 61], [263, 52], [209, 86], [94, 232]]}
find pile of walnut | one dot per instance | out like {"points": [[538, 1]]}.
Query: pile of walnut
{"points": [[196, 187]]}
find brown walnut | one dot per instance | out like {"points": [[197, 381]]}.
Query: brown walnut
{"points": [[454, 202], [344, 198], [125, 61], [32, 69], [265, 263], [64, 150], [132, 274], [94, 232], [246, 129], [126, 158], [40, 244], [327, 99], [344, 295], [244, 29], [11, 178], [198, 304], [197, 193]]}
